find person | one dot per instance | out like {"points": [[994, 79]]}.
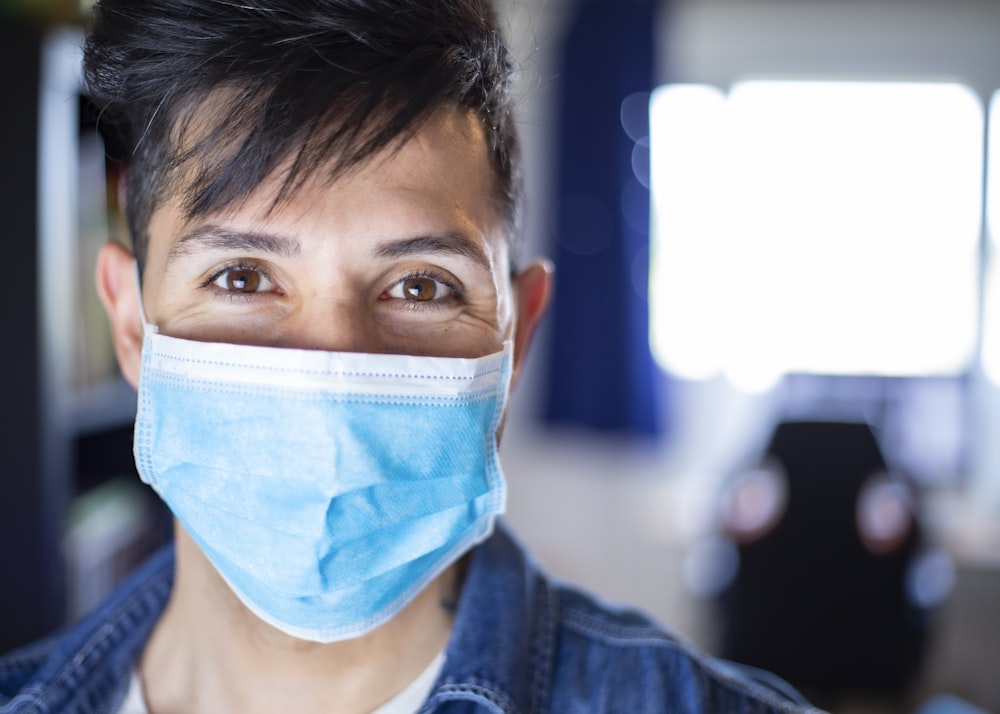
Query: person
{"points": [[322, 311]]}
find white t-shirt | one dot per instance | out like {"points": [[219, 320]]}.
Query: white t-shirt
{"points": [[406, 702]]}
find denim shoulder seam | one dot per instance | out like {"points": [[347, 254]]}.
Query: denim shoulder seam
{"points": [[615, 632], [543, 644], [624, 635]]}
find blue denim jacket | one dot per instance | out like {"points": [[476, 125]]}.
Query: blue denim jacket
{"points": [[520, 643]]}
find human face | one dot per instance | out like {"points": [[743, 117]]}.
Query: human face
{"points": [[407, 255]]}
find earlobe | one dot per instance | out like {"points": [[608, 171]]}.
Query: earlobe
{"points": [[117, 288], [532, 290]]}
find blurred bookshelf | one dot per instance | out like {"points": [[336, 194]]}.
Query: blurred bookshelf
{"points": [[74, 518]]}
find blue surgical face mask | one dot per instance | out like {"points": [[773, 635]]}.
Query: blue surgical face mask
{"points": [[327, 488]]}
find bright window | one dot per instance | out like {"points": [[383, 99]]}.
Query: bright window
{"points": [[816, 227], [991, 308]]}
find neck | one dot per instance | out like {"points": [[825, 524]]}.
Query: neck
{"points": [[209, 653]]}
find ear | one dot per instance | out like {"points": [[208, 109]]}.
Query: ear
{"points": [[532, 289], [117, 288]]}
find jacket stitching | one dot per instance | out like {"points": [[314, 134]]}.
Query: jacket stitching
{"points": [[476, 691], [625, 636], [543, 646]]}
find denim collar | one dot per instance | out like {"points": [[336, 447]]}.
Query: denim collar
{"points": [[502, 648]]}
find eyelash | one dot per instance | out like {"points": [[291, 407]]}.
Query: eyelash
{"points": [[457, 294], [236, 266]]}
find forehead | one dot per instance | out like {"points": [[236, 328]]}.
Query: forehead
{"points": [[439, 177], [216, 158]]}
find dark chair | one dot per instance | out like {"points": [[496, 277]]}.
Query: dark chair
{"points": [[816, 599]]}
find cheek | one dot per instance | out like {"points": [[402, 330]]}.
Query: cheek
{"points": [[467, 338]]}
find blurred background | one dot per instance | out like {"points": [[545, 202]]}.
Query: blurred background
{"points": [[765, 405]]}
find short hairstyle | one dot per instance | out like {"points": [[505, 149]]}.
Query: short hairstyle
{"points": [[304, 83]]}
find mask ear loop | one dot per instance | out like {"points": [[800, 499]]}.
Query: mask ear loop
{"points": [[147, 329]]}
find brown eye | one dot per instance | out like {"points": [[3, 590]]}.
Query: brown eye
{"points": [[419, 289], [242, 280]]}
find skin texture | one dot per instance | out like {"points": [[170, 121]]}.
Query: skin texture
{"points": [[405, 255]]}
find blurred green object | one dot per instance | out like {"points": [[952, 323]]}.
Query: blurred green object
{"points": [[45, 11]]}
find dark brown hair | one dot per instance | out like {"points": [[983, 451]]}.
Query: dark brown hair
{"points": [[227, 91]]}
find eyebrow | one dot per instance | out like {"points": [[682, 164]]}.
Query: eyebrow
{"points": [[219, 238], [446, 243]]}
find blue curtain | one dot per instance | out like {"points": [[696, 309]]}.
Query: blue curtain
{"points": [[602, 375]]}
